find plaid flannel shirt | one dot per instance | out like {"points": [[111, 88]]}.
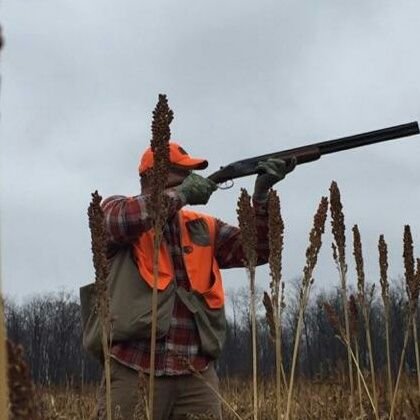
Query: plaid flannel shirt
{"points": [[126, 219]]}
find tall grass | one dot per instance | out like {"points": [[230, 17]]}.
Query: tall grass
{"points": [[158, 209], [412, 279], [341, 335], [101, 265], [354, 332], [4, 400], [315, 400], [364, 304], [315, 242], [247, 225], [416, 348], [274, 303], [383, 268], [339, 255]]}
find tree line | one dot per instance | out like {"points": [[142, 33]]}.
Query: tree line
{"points": [[49, 329]]}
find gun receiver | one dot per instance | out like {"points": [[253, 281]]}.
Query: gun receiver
{"points": [[311, 152]]}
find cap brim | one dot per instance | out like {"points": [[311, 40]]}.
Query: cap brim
{"points": [[192, 163]]}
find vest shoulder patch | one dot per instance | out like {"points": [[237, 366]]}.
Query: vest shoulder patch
{"points": [[199, 232]]}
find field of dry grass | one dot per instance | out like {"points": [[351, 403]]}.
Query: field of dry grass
{"points": [[316, 400]]}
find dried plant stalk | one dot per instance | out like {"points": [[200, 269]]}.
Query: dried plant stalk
{"points": [[414, 296], [22, 399], [315, 242], [412, 279], [101, 265], [416, 348], [3, 352], [354, 332], [408, 256], [247, 224], [3, 366], [158, 209], [339, 254], [274, 309], [341, 335], [364, 304], [383, 268]]}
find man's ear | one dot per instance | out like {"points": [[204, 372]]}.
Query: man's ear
{"points": [[144, 181]]}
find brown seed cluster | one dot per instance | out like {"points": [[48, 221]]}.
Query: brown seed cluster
{"points": [[315, 240], [412, 275], [100, 261], [358, 257], [21, 389], [247, 225], [276, 241], [383, 268], [161, 134], [338, 226], [414, 287], [408, 255]]}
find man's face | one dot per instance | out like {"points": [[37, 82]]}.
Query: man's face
{"points": [[176, 175]]}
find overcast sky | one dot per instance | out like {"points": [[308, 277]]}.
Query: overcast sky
{"points": [[80, 80]]}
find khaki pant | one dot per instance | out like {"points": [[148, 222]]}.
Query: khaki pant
{"points": [[175, 397]]}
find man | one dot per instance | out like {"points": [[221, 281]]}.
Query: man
{"points": [[194, 247]]}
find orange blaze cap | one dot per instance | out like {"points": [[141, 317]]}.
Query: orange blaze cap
{"points": [[177, 156]]}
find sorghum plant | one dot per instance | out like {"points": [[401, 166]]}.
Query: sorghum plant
{"points": [[339, 255], [383, 268], [315, 242], [157, 205], [364, 304], [247, 224], [101, 265]]}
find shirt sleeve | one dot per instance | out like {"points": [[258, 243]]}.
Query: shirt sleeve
{"points": [[228, 248], [126, 218]]}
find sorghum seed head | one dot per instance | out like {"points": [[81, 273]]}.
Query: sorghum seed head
{"points": [[383, 268], [358, 257], [337, 222], [247, 225], [408, 256], [100, 260], [158, 202], [315, 239], [275, 238]]}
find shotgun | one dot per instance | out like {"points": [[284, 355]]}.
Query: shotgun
{"points": [[311, 152]]}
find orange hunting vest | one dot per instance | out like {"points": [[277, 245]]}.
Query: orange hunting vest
{"points": [[197, 243]]}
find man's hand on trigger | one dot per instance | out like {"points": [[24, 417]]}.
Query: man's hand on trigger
{"points": [[271, 171], [196, 189]]}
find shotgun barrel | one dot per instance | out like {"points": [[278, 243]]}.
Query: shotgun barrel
{"points": [[312, 152]]}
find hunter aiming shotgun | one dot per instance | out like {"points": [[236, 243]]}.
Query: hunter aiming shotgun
{"points": [[311, 152]]}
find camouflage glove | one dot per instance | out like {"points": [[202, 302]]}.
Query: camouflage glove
{"points": [[196, 189], [271, 171]]}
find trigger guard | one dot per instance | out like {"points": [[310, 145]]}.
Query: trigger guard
{"points": [[226, 185]]}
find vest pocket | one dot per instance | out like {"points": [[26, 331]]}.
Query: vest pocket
{"points": [[211, 323], [215, 295], [130, 306]]}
